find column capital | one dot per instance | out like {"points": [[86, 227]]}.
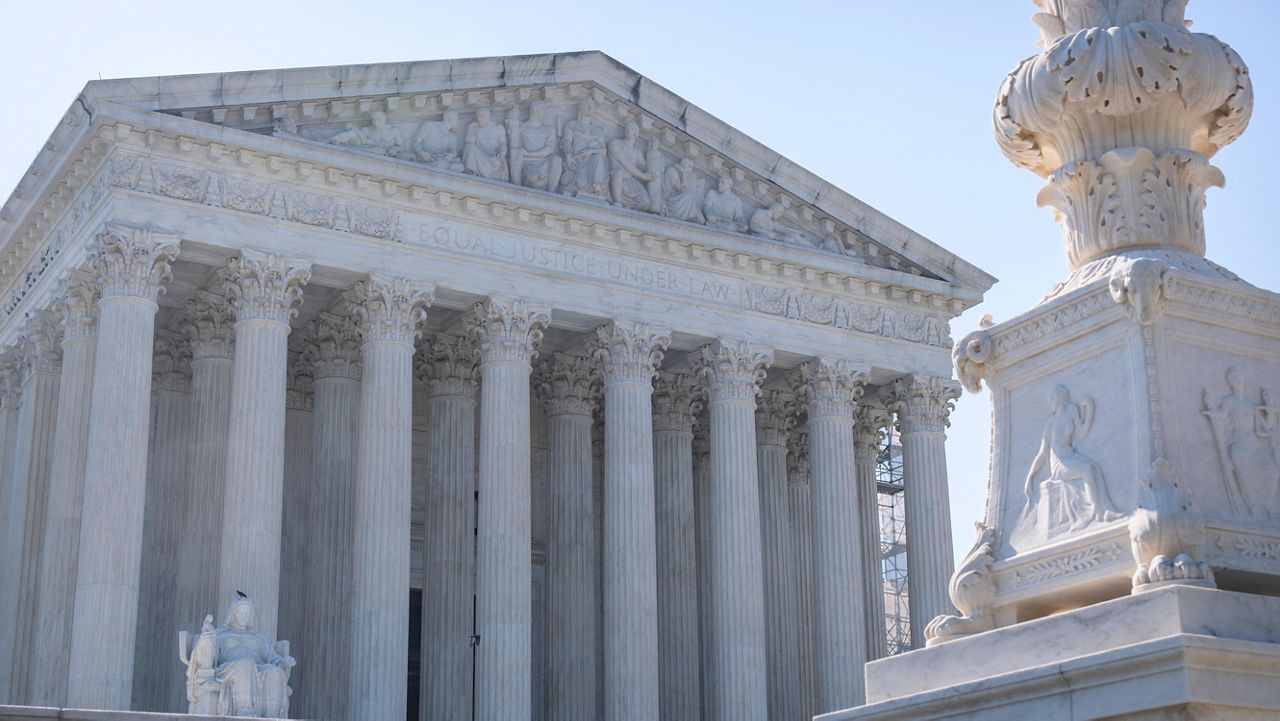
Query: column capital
{"points": [[776, 413], [171, 364], [798, 457], [447, 364], [132, 262], [77, 307], [10, 385], [629, 352], [870, 424], [211, 326], [40, 345], [923, 404], [568, 385], [389, 308], [508, 330], [299, 378], [677, 402], [332, 346], [263, 286], [829, 387], [732, 370]]}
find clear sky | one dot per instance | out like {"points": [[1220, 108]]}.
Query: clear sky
{"points": [[887, 99]]}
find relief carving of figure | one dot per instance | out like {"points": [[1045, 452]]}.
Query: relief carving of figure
{"points": [[436, 142], [233, 670], [722, 208], [1246, 434], [628, 171], [584, 155], [379, 138], [484, 149], [535, 162], [682, 192], [1079, 479], [764, 224]]}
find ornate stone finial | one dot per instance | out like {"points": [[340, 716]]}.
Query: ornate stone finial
{"points": [[972, 591], [171, 364], [132, 261], [508, 330], [389, 308], [568, 385], [776, 413], [924, 404], [970, 356], [1166, 534], [1121, 111], [77, 309], [677, 402], [829, 387], [732, 370], [262, 286], [629, 352], [334, 347], [40, 345], [448, 366], [211, 326]]}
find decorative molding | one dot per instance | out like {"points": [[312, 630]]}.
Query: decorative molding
{"points": [[1067, 564], [828, 310]]}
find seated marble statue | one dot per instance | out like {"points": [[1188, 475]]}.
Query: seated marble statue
{"points": [[722, 208], [379, 138], [764, 224], [233, 670], [484, 148], [437, 142]]}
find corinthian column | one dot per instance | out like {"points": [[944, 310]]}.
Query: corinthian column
{"points": [[733, 372], [10, 562], [332, 349], [131, 265], [449, 368], [868, 433], [508, 333], [390, 310], [630, 354], [567, 388], [263, 289], [830, 389], [675, 406], [774, 418], [922, 405], [50, 652], [801, 544], [702, 532]]}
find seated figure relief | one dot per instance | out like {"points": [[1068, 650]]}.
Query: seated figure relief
{"points": [[583, 145], [379, 138], [233, 670], [764, 224], [682, 192], [629, 174], [437, 144], [722, 208], [535, 160], [1080, 491], [484, 149]]}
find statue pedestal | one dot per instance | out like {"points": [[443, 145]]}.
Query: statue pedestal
{"points": [[1173, 652]]}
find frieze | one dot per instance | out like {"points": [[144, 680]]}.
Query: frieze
{"points": [[1043, 325], [1250, 548], [1071, 563], [822, 309]]}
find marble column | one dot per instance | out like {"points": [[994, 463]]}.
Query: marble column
{"points": [[131, 265], [922, 405], [264, 290], [733, 372], [568, 390], [676, 404], [78, 309], [630, 354], [40, 368], [775, 415], [830, 389], [448, 367], [210, 330], [702, 533], [332, 349], [801, 546], [868, 433], [597, 506], [297, 553], [390, 311], [10, 560], [508, 333]]}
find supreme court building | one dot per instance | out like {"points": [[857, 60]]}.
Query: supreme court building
{"points": [[506, 388]]}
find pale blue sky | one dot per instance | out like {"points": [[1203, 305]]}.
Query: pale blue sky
{"points": [[890, 100]]}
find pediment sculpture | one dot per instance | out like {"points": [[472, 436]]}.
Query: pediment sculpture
{"points": [[233, 670]]}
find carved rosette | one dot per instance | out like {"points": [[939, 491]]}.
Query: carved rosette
{"points": [[923, 404], [389, 308], [568, 385], [211, 326], [40, 345], [869, 428], [333, 348], [776, 413], [798, 456], [677, 402], [1121, 111], [447, 365], [77, 309], [171, 362], [829, 387], [507, 330], [132, 262], [970, 356], [629, 352], [262, 286], [732, 370]]}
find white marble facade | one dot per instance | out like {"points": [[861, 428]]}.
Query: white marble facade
{"points": [[516, 332]]}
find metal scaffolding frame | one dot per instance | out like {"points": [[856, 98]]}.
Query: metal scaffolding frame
{"points": [[893, 542]]}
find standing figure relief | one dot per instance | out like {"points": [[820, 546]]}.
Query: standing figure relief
{"points": [[1247, 437], [1084, 498]]}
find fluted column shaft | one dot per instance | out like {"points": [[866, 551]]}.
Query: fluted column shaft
{"points": [[674, 410], [390, 310], [508, 333], [449, 368], [868, 433], [830, 389], [733, 372], [702, 531], [131, 265], [264, 290], [10, 560], [922, 406], [801, 544], [79, 309]]}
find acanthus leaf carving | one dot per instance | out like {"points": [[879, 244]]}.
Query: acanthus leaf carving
{"points": [[132, 261], [508, 330], [447, 364], [389, 308], [629, 352], [568, 385], [264, 286], [677, 402], [732, 369]]}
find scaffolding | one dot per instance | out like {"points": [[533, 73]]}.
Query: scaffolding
{"points": [[893, 542]]}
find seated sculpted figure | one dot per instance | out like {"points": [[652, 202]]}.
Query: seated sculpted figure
{"points": [[379, 138], [233, 670], [437, 143], [722, 207], [535, 159], [584, 155], [628, 174], [683, 191], [484, 148], [764, 224]]}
